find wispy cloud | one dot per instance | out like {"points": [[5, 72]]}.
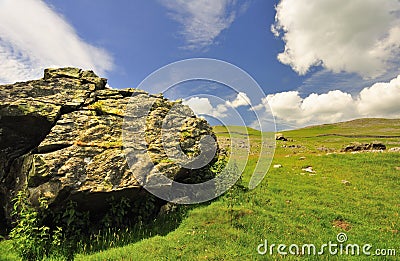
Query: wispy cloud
{"points": [[203, 20], [33, 37]]}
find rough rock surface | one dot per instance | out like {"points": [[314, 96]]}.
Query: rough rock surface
{"points": [[61, 138]]}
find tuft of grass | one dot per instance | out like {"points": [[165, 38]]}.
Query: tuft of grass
{"points": [[7, 253]]}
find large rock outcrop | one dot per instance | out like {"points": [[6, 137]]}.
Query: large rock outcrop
{"points": [[61, 138]]}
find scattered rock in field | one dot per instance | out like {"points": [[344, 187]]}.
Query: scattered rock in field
{"points": [[395, 149], [397, 168], [296, 146], [346, 182], [277, 166], [356, 146], [293, 146], [325, 149], [370, 151], [302, 158], [308, 169], [279, 136]]}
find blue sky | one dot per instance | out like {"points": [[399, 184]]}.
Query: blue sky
{"points": [[142, 36], [316, 61]]}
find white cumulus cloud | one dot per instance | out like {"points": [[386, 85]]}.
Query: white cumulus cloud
{"points": [[329, 107], [357, 36], [379, 100], [241, 100], [33, 37], [203, 106], [203, 20]]}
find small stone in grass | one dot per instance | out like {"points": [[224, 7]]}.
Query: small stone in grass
{"points": [[346, 182], [309, 169]]}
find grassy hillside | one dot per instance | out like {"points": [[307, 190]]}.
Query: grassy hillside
{"points": [[356, 194], [359, 127], [235, 131]]}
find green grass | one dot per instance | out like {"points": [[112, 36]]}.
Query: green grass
{"points": [[6, 251], [365, 126], [235, 131], [290, 206]]}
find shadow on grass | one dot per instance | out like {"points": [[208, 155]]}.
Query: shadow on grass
{"points": [[118, 237]]}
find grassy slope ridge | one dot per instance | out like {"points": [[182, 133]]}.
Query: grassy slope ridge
{"points": [[352, 193], [365, 126]]}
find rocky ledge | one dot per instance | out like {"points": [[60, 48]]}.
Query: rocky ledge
{"points": [[61, 138]]}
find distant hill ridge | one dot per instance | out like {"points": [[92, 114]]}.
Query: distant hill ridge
{"points": [[365, 127], [358, 128]]}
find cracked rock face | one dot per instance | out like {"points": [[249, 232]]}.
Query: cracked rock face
{"points": [[61, 138]]}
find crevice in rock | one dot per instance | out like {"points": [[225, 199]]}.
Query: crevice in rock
{"points": [[101, 112], [65, 109], [99, 145], [127, 93], [51, 148], [47, 102], [24, 133]]}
